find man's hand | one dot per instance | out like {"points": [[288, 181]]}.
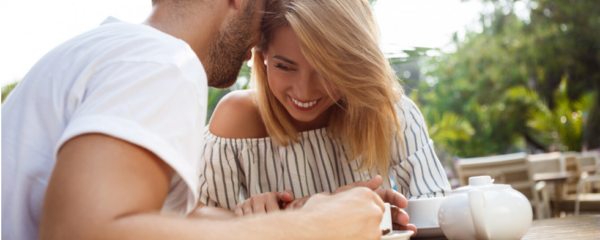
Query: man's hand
{"points": [[371, 184], [264, 203], [399, 217], [351, 214]]}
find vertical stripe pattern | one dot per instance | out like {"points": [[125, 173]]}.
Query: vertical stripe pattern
{"points": [[233, 170]]}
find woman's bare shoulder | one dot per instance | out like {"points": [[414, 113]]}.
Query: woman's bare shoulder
{"points": [[237, 116]]}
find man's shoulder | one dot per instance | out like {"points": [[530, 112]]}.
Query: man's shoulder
{"points": [[141, 50], [134, 42], [238, 116]]}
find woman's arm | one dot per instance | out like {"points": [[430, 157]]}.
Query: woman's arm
{"points": [[223, 178], [236, 116], [417, 170]]}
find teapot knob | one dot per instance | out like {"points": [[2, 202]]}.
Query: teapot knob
{"points": [[480, 181]]}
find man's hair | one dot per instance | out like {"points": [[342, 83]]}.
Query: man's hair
{"points": [[339, 38]]}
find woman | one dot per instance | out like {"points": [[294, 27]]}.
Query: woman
{"points": [[325, 111]]}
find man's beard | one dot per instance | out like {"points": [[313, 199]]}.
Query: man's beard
{"points": [[228, 50]]}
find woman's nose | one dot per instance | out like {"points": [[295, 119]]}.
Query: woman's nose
{"points": [[304, 87]]}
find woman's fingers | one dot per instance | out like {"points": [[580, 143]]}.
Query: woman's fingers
{"points": [[392, 197], [299, 203], [247, 208], [238, 211], [264, 203], [400, 220], [272, 202], [286, 196], [399, 216], [410, 227], [258, 204]]}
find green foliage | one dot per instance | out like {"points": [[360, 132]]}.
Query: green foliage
{"points": [[519, 83], [563, 127], [7, 89], [215, 95]]}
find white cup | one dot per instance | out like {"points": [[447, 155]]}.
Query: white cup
{"points": [[423, 212], [386, 221]]}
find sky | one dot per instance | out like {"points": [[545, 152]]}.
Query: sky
{"points": [[31, 28]]}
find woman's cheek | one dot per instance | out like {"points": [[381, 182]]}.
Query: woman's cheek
{"points": [[277, 81], [276, 85]]}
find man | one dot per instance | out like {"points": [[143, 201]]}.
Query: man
{"points": [[102, 137]]}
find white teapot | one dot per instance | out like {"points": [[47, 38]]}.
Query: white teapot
{"points": [[484, 211]]}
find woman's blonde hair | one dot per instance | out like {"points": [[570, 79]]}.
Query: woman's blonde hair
{"points": [[339, 38]]}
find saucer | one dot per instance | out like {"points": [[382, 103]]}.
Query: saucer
{"points": [[398, 235], [429, 231]]}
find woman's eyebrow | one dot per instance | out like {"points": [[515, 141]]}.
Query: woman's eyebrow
{"points": [[282, 58]]}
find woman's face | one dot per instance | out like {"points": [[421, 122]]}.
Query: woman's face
{"points": [[293, 80]]}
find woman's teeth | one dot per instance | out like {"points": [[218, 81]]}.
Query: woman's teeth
{"points": [[304, 105]]}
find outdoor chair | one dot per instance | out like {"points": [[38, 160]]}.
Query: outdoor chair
{"points": [[589, 161], [590, 197], [546, 162], [552, 162], [572, 166]]}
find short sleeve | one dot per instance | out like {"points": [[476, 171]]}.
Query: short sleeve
{"points": [[416, 168], [222, 176], [152, 105]]}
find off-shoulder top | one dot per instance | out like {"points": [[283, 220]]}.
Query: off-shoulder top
{"points": [[233, 170]]}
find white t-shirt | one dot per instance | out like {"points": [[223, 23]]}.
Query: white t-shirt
{"points": [[129, 81]]}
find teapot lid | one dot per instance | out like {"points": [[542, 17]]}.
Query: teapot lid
{"points": [[481, 183]]}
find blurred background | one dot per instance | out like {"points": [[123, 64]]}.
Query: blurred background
{"points": [[490, 76], [496, 76]]}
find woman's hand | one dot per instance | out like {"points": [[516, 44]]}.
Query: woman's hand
{"points": [[397, 200], [264, 203], [399, 217], [299, 203]]}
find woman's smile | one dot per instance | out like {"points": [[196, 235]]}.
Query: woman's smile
{"points": [[303, 105]]}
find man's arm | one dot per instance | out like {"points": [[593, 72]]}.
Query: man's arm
{"points": [[106, 188], [213, 213]]}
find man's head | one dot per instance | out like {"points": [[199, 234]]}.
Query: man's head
{"points": [[232, 45], [221, 32]]}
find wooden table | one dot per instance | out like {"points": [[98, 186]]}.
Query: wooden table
{"points": [[558, 179], [578, 227]]}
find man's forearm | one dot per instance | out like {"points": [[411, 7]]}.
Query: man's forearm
{"points": [[288, 225], [95, 193], [213, 213]]}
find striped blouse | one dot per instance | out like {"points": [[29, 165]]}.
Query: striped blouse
{"points": [[233, 170]]}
